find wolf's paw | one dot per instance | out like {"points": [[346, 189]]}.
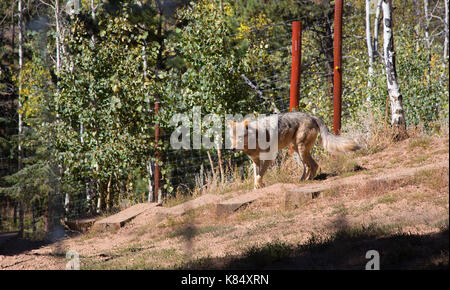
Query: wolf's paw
{"points": [[259, 186], [258, 182]]}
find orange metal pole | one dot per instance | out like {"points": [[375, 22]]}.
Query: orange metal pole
{"points": [[337, 85], [295, 67], [295, 64]]}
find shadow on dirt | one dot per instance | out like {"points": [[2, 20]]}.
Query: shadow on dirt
{"points": [[324, 175], [346, 249], [15, 245]]}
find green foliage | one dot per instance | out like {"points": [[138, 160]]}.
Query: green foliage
{"points": [[104, 103], [213, 62], [37, 179], [95, 118]]}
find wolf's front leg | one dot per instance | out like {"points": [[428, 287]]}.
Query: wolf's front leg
{"points": [[258, 178], [263, 168]]}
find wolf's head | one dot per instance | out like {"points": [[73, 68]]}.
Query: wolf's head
{"points": [[257, 138], [238, 135]]}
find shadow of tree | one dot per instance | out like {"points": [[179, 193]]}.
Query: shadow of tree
{"points": [[16, 246], [346, 249]]}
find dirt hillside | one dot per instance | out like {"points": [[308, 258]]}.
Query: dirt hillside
{"points": [[405, 219]]}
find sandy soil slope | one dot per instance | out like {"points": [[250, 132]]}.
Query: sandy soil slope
{"points": [[407, 220]]}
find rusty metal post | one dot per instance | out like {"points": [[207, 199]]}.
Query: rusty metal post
{"points": [[337, 84], [157, 173], [295, 67], [295, 64]]}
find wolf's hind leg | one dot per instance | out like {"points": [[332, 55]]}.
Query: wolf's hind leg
{"points": [[305, 144], [299, 160], [305, 161], [311, 164], [314, 168]]}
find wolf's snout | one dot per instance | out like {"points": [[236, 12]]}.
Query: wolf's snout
{"points": [[233, 149]]}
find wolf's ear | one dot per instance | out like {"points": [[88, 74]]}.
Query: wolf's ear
{"points": [[231, 123]]}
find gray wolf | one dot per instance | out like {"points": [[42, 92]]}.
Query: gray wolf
{"points": [[296, 128]]}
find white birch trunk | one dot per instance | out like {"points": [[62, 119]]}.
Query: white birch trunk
{"points": [[369, 46], [20, 38], [427, 23], [376, 27], [94, 18], [427, 37], [446, 32], [93, 8], [397, 114], [99, 204], [66, 205], [150, 181], [19, 147], [149, 164], [57, 38]]}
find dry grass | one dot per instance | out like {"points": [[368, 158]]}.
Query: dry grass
{"points": [[286, 169], [265, 235], [338, 251], [359, 201], [370, 130], [178, 198], [422, 142], [213, 185], [437, 180], [433, 179], [407, 218], [343, 165]]}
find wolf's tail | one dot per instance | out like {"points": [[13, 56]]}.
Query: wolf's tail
{"points": [[333, 143]]}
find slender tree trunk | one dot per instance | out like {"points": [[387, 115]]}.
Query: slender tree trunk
{"points": [[427, 23], [20, 82], [55, 210], [47, 225], [144, 73], [57, 38], [213, 171], [376, 27], [109, 199], [13, 34], [66, 205], [15, 213], [202, 176], [89, 183], [20, 150], [100, 197], [397, 115], [150, 181], [34, 216], [55, 200], [94, 18], [417, 34], [446, 51], [99, 203], [21, 219], [369, 47], [219, 155], [427, 37]]}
